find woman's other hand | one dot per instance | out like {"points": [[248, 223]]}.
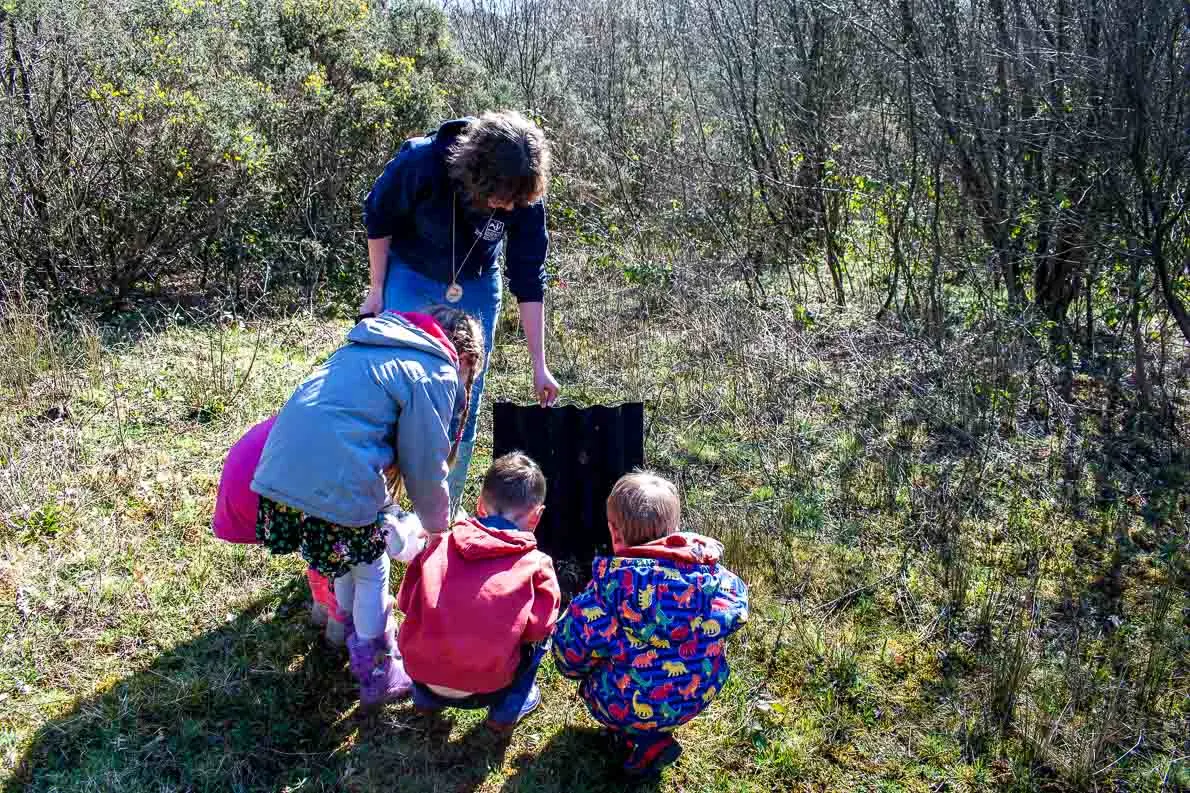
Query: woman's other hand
{"points": [[372, 305]]}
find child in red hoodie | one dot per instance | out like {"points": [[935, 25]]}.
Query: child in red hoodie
{"points": [[480, 603]]}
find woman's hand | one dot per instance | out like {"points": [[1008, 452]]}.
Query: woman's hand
{"points": [[377, 268], [372, 304], [545, 387]]}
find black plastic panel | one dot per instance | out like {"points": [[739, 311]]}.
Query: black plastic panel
{"points": [[582, 451]]}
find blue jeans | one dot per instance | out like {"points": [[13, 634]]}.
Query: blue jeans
{"points": [[504, 706], [408, 290]]}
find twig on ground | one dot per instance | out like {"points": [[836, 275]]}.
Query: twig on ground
{"points": [[851, 594], [1117, 761]]}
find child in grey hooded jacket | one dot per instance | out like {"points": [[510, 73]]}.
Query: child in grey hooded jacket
{"points": [[385, 401]]}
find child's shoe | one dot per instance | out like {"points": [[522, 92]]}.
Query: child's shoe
{"points": [[337, 630], [325, 611], [498, 717], [647, 758], [378, 668]]}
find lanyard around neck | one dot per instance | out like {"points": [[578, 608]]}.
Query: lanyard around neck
{"points": [[456, 269]]}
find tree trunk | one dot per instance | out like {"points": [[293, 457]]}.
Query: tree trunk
{"points": [[1138, 341]]}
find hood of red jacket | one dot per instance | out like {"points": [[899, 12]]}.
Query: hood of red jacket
{"points": [[685, 546], [474, 540]]}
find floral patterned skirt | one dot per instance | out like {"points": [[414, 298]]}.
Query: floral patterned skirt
{"points": [[327, 547]]}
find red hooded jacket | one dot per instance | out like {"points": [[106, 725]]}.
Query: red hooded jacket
{"points": [[471, 599]]}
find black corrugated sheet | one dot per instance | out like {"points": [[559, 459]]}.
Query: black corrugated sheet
{"points": [[582, 451]]}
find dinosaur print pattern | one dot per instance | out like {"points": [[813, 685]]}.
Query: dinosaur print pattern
{"points": [[642, 710], [645, 638], [674, 668], [661, 693], [692, 687]]}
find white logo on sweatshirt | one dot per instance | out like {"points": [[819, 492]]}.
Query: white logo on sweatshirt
{"points": [[494, 230]]}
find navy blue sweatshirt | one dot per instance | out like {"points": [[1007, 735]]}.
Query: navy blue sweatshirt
{"points": [[411, 202]]}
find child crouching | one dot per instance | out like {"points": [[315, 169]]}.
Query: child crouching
{"points": [[646, 635], [480, 603]]}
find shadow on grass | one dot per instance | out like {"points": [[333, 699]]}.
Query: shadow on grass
{"points": [[259, 704], [574, 760]]}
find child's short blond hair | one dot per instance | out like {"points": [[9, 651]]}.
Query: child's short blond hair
{"points": [[643, 507], [514, 483]]}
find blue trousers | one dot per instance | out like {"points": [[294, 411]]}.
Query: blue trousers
{"points": [[408, 290], [503, 706]]}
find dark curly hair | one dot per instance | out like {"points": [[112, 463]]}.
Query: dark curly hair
{"points": [[502, 157]]}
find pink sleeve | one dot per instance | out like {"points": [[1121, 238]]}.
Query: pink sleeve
{"points": [[236, 504]]}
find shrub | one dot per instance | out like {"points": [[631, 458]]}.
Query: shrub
{"points": [[215, 144]]}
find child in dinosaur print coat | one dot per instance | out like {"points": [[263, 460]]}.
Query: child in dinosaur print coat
{"points": [[646, 635]]}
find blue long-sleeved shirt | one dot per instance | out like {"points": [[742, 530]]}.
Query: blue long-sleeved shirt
{"points": [[411, 203]]}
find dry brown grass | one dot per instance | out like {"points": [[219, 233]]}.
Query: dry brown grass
{"points": [[961, 580]]}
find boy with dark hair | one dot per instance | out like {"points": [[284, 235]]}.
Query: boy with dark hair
{"points": [[480, 603]]}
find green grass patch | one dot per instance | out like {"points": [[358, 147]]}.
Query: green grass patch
{"points": [[929, 612]]}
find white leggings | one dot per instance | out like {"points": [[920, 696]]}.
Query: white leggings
{"points": [[362, 593]]}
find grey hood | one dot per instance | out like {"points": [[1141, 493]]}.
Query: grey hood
{"points": [[390, 394], [391, 330]]}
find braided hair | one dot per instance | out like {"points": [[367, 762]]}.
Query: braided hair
{"points": [[466, 335]]}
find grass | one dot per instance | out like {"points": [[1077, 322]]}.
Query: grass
{"points": [[950, 592]]}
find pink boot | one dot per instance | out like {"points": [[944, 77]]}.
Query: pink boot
{"points": [[325, 609], [378, 668]]}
